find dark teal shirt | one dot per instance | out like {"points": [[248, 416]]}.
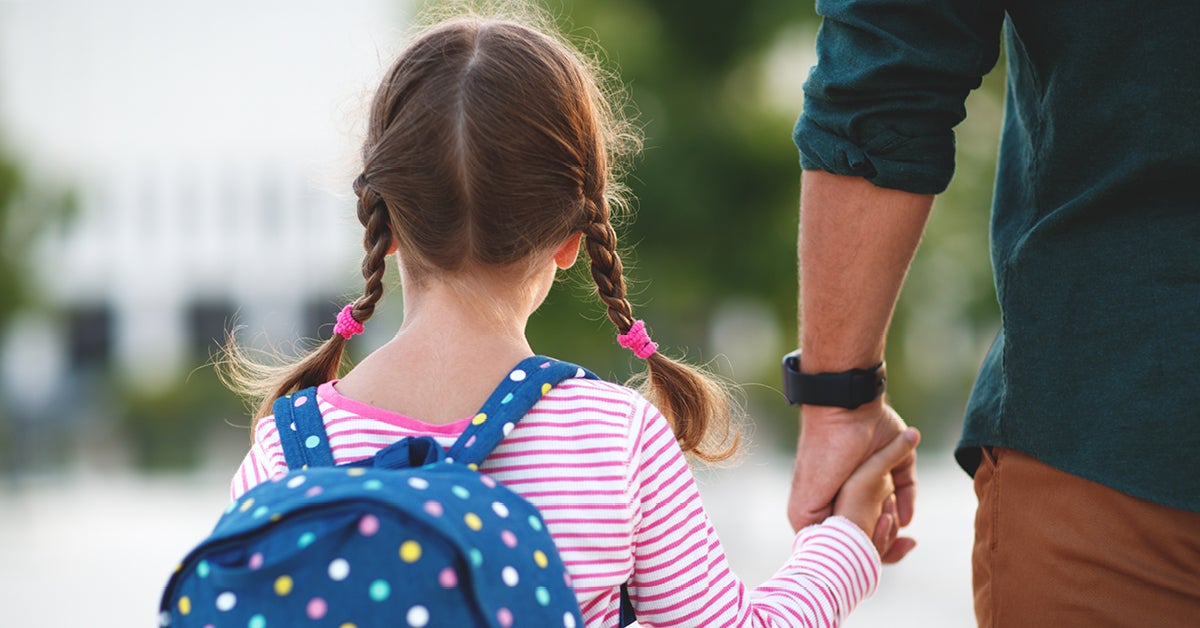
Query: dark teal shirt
{"points": [[1096, 215]]}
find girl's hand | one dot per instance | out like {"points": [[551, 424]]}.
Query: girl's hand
{"points": [[833, 443], [868, 496]]}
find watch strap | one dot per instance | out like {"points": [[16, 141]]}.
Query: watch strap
{"points": [[847, 389]]}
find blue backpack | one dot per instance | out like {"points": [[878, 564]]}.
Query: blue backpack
{"points": [[414, 536]]}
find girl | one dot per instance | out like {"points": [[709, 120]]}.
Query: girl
{"points": [[489, 157]]}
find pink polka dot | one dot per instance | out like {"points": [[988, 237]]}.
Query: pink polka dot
{"points": [[300, 401], [434, 508], [256, 560], [470, 441], [368, 525], [316, 608], [314, 491], [505, 617], [447, 578], [487, 481], [567, 578], [509, 538]]}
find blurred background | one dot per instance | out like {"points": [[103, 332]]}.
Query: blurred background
{"points": [[171, 170]]}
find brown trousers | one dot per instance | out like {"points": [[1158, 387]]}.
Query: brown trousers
{"points": [[1055, 550]]}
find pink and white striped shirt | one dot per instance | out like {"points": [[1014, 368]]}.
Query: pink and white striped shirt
{"points": [[602, 465]]}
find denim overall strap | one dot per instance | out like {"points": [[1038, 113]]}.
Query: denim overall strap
{"points": [[302, 430], [521, 389]]}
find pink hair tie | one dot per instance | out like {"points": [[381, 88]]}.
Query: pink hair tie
{"points": [[638, 340], [346, 326]]}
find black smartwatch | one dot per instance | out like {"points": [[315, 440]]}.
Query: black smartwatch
{"points": [[848, 389]]}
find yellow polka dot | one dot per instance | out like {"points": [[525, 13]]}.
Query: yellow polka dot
{"points": [[185, 605], [479, 418], [276, 517], [410, 551], [247, 504], [473, 521], [283, 585], [539, 557], [179, 568], [473, 466], [356, 471], [347, 625], [546, 388]]}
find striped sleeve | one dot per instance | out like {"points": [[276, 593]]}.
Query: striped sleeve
{"points": [[264, 460], [682, 576]]}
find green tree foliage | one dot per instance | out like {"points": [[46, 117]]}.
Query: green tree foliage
{"points": [[716, 186], [26, 209], [12, 241]]}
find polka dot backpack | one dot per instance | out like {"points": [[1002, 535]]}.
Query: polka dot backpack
{"points": [[415, 536]]}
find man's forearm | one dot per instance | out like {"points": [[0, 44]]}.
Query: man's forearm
{"points": [[855, 246]]}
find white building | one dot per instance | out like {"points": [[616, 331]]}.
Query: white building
{"points": [[211, 146]]}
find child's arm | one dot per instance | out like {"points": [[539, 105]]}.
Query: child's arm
{"points": [[681, 576], [263, 462], [868, 496]]}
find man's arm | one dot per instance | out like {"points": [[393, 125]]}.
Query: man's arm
{"points": [[855, 246]]}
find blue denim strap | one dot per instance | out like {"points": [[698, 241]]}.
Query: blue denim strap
{"points": [[302, 430], [521, 389]]}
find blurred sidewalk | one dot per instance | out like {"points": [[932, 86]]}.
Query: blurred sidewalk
{"points": [[94, 550]]}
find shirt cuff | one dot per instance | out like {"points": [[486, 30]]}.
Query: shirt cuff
{"points": [[859, 552], [921, 165]]}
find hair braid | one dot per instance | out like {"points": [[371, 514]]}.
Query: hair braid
{"points": [[697, 406], [265, 382], [377, 242], [607, 272]]}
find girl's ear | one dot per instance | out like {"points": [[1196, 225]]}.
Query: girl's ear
{"points": [[394, 247], [568, 252]]}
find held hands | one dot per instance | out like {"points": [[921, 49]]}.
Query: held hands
{"points": [[836, 442], [868, 498]]}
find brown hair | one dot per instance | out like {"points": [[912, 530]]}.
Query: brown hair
{"points": [[488, 143]]}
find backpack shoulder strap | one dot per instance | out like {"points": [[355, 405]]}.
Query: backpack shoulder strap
{"points": [[302, 430], [520, 390]]}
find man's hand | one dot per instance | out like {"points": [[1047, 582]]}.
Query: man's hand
{"points": [[833, 443]]}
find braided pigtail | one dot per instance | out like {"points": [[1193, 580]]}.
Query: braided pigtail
{"points": [[696, 404], [377, 242], [261, 382]]}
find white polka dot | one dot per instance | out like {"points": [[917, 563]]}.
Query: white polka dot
{"points": [[510, 576], [226, 601], [418, 483], [580, 373], [417, 616], [296, 481], [568, 620], [508, 427], [500, 509], [339, 569], [517, 375]]}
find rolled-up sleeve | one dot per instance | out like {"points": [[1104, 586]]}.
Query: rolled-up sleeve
{"points": [[889, 87]]}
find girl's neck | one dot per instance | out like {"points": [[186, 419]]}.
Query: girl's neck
{"points": [[454, 346], [445, 325]]}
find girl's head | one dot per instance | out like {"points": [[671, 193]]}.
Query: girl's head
{"points": [[489, 144]]}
